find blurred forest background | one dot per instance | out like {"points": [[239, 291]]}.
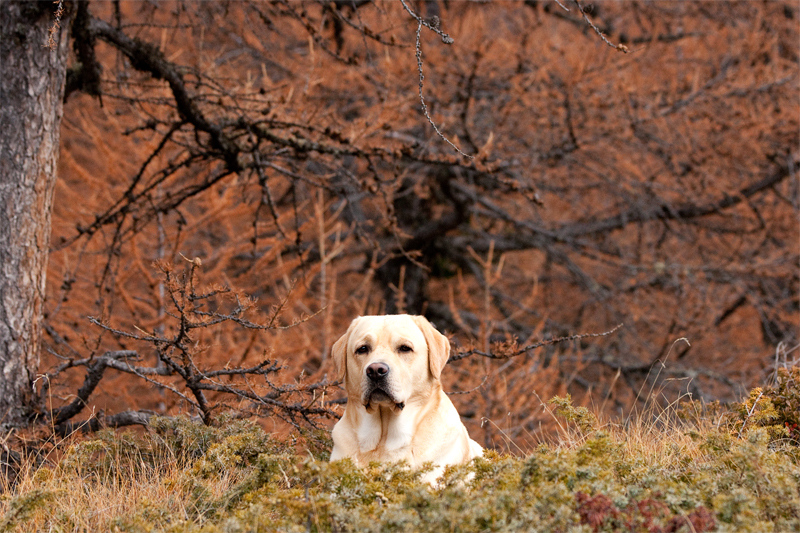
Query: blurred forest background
{"points": [[280, 149]]}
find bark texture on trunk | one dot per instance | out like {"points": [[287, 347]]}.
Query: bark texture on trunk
{"points": [[31, 93]]}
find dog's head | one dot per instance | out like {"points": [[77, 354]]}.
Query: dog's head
{"points": [[389, 360]]}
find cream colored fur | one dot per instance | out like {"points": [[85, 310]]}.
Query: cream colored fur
{"points": [[407, 416]]}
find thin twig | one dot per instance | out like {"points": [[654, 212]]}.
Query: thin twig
{"points": [[749, 414], [56, 26], [463, 355], [482, 383], [446, 39], [621, 47]]}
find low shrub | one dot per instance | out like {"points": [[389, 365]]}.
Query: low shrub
{"points": [[775, 407], [184, 477]]}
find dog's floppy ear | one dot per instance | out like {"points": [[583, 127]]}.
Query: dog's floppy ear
{"points": [[438, 345], [339, 353]]}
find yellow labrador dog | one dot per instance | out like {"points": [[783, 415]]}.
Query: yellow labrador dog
{"points": [[396, 408]]}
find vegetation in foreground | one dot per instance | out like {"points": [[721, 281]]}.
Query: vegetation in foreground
{"points": [[688, 468]]}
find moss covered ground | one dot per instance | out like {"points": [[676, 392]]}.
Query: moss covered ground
{"points": [[686, 469]]}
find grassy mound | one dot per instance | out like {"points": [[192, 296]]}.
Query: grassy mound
{"points": [[680, 471]]}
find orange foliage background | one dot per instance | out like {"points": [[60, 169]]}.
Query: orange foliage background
{"points": [[573, 141]]}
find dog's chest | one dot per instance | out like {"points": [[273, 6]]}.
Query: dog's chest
{"points": [[386, 437]]}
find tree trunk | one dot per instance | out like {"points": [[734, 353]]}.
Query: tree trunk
{"points": [[32, 79]]}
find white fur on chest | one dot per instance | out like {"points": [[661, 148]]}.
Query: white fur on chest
{"points": [[399, 432]]}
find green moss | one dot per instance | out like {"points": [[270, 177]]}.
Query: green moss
{"points": [[22, 506], [235, 477]]}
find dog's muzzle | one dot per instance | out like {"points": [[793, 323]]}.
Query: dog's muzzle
{"points": [[378, 390]]}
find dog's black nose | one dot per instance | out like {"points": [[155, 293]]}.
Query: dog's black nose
{"points": [[377, 371]]}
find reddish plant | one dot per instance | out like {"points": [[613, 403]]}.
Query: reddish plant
{"points": [[644, 516], [597, 510]]}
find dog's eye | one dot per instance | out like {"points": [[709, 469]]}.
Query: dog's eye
{"points": [[363, 349], [405, 348]]}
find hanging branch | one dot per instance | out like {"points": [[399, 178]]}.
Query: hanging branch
{"points": [[621, 47], [446, 39]]}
